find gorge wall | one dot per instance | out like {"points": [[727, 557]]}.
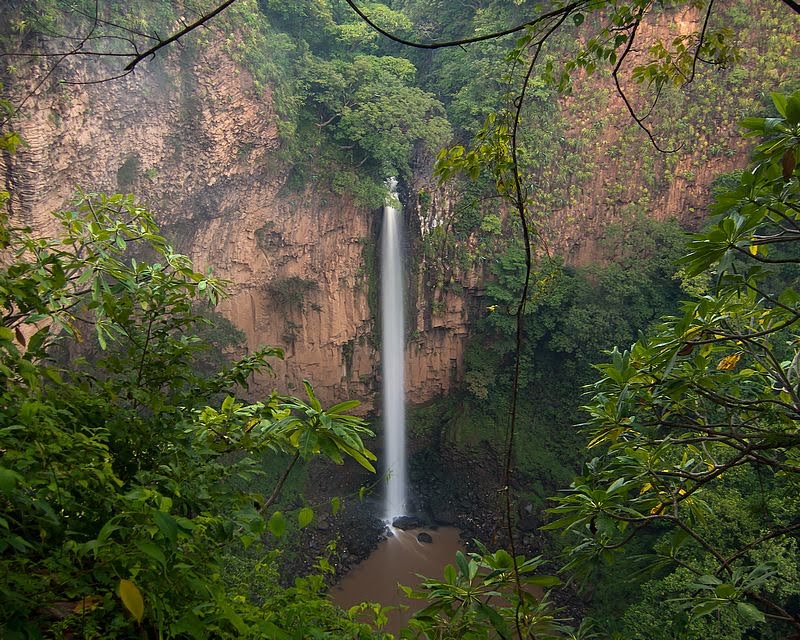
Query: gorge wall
{"points": [[191, 135], [193, 139]]}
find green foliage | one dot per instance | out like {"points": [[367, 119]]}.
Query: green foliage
{"points": [[349, 114], [699, 416], [561, 145], [123, 540], [128, 171], [369, 106], [9, 139], [572, 316], [488, 595], [291, 291], [116, 476], [272, 56]]}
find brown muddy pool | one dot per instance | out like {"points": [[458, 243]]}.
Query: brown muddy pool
{"points": [[398, 559]]}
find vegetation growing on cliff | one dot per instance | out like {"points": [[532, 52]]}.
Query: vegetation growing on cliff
{"points": [[573, 315], [694, 428], [354, 107], [116, 476]]}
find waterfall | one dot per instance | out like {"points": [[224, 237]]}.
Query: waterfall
{"points": [[393, 358]]}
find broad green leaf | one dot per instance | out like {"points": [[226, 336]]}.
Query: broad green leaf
{"points": [[708, 580], [305, 516], [153, 551], [190, 624], [495, 619], [750, 612], [793, 110], [361, 460], [8, 480], [779, 100], [725, 591], [277, 524], [227, 404], [312, 399], [542, 581], [343, 406], [166, 523], [463, 565], [503, 559], [234, 618], [706, 607], [273, 632]]}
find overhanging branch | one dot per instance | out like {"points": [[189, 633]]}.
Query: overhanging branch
{"points": [[177, 35], [562, 12], [794, 6]]}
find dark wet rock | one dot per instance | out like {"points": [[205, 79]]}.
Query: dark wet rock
{"points": [[443, 512], [424, 537], [405, 522], [528, 517], [323, 525]]}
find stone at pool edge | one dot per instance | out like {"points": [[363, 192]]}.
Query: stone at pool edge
{"points": [[424, 537], [406, 522]]}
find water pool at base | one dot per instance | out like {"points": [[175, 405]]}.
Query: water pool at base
{"points": [[398, 559]]}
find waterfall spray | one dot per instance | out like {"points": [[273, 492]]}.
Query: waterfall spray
{"points": [[393, 358]]}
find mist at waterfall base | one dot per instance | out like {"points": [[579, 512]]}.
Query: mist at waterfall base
{"points": [[393, 358]]}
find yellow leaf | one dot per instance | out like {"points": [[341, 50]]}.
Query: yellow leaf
{"points": [[132, 598], [87, 604], [753, 249], [729, 362], [645, 488]]}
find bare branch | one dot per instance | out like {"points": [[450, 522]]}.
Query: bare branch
{"points": [[700, 41], [759, 258], [177, 35], [276, 492], [783, 531], [521, 207], [563, 12], [794, 6], [615, 74]]}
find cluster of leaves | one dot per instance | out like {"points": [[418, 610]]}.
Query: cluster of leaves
{"points": [[117, 474], [705, 403], [372, 108], [349, 112], [356, 116], [488, 595], [559, 150], [291, 292]]}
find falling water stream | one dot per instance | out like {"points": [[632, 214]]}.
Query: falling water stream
{"points": [[392, 358], [402, 556]]}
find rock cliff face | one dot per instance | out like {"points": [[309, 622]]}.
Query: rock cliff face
{"points": [[192, 138]]}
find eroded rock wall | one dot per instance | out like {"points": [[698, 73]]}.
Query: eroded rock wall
{"points": [[192, 137]]}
